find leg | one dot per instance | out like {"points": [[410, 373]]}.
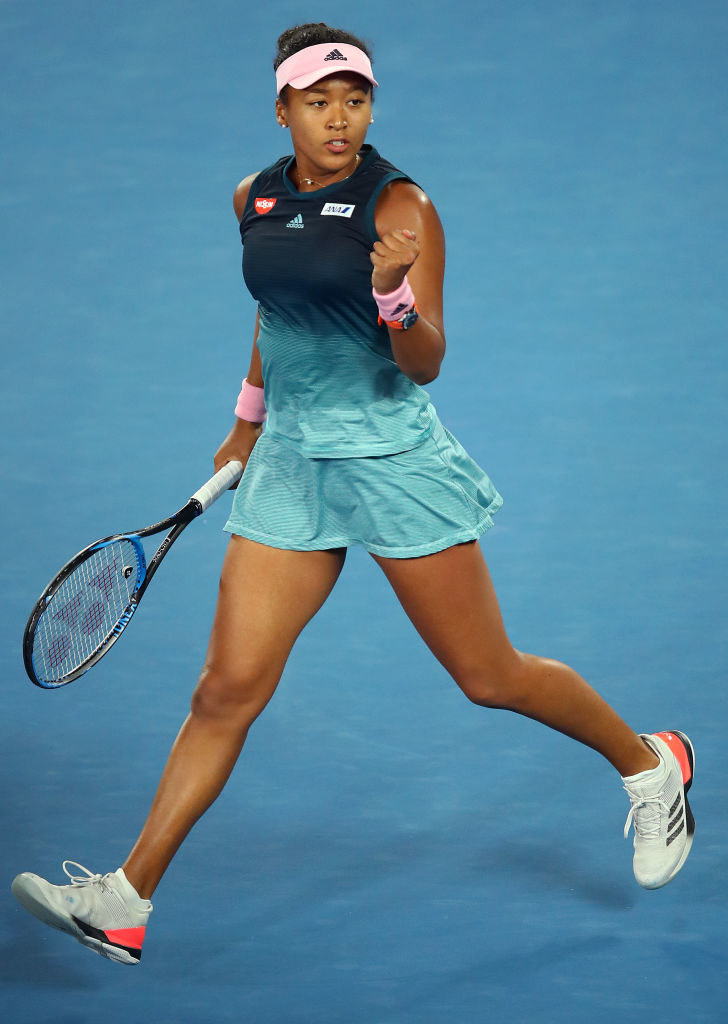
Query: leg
{"points": [[450, 599], [266, 598]]}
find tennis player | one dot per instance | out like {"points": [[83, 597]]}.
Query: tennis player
{"points": [[345, 256]]}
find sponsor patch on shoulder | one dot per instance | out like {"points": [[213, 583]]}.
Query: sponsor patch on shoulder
{"points": [[338, 210], [264, 205]]}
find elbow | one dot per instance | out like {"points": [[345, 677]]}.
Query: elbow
{"points": [[425, 376], [423, 366]]}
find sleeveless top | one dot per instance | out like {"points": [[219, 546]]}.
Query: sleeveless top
{"points": [[332, 387]]}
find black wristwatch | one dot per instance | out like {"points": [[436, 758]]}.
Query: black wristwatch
{"points": [[409, 319]]}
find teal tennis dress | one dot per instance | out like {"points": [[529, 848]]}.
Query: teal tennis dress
{"points": [[353, 451]]}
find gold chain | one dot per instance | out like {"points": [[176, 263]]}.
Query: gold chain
{"points": [[312, 181]]}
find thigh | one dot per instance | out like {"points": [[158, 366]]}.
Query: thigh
{"points": [[266, 597], [450, 599]]}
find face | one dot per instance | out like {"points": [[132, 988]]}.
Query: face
{"points": [[328, 122]]}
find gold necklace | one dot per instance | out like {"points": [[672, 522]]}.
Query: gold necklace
{"points": [[312, 181]]}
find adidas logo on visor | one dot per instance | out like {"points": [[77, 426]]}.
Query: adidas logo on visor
{"points": [[335, 55], [296, 222]]}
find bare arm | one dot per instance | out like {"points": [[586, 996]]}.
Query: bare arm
{"points": [[241, 440], [412, 243]]}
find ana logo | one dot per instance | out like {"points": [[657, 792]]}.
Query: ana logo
{"points": [[264, 205], [335, 55], [337, 210]]}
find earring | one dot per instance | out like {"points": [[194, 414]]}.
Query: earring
{"points": [[371, 120]]}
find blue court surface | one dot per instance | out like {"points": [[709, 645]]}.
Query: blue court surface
{"points": [[385, 853]]}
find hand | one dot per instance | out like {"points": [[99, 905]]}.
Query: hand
{"points": [[237, 445], [392, 257]]}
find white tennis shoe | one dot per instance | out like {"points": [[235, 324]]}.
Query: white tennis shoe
{"points": [[663, 822], [104, 912]]}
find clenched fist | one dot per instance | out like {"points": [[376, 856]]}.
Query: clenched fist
{"points": [[392, 257]]}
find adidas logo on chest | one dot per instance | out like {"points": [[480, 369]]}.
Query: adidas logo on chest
{"points": [[295, 222]]}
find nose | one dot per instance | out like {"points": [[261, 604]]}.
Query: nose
{"points": [[338, 119]]}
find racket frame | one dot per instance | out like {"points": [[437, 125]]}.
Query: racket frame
{"points": [[201, 500], [175, 524]]}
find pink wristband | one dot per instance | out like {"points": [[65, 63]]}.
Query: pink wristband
{"points": [[251, 405], [394, 304]]}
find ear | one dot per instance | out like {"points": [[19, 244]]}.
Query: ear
{"points": [[281, 116]]}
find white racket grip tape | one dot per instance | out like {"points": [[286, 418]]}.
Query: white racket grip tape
{"points": [[218, 484]]}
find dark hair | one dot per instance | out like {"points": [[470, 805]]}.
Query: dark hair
{"points": [[313, 32]]}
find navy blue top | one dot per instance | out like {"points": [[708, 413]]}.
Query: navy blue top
{"points": [[332, 387]]}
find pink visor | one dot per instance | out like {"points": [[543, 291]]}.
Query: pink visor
{"points": [[316, 62]]}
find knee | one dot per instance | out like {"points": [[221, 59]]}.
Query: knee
{"points": [[236, 697], [494, 682]]}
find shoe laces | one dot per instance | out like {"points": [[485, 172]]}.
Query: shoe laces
{"points": [[88, 878], [645, 812]]}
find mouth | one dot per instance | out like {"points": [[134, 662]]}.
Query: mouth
{"points": [[337, 145]]}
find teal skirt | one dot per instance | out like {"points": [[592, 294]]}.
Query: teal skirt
{"points": [[399, 506]]}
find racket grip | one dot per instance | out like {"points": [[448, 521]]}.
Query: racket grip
{"points": [[218, 484]]}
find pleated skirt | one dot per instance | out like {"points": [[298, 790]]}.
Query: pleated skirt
{"points": [[405, 505]]}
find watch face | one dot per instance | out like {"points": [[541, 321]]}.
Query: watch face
{"points": [[409, 319]]}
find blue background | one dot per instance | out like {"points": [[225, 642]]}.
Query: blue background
{"points": [[385, 853]]}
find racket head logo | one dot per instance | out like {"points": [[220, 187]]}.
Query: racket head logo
{"points": [[263, 205], [88, 604], [57, 651], [83, 610]]}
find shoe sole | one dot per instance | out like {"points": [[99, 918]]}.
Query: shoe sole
{"points": [[30, 896], [689, 819]]}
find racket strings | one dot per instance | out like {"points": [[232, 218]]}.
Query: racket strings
{"points": [[83, 612]]}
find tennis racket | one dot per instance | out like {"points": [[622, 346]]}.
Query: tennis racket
{"points": [[85, 608]]}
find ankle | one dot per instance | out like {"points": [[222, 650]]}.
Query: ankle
{"points": [[143, 886], [644, 759]]}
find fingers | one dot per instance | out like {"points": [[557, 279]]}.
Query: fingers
{"points": [[399, 243], [397, 249], [220, 463], [392, 256]]}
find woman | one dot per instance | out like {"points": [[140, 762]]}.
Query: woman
{"points": [[345, 255]]}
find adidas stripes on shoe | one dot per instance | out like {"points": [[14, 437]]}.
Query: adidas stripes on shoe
{"points": [[663, 822], [104, 912]]}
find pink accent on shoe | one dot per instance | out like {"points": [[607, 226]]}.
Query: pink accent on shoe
{"points": [[677, 746], [130, 937]]}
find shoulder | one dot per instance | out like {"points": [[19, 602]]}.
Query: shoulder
{"points": [[403, 195], [240, 196], [269, 177], [403, 202]]}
